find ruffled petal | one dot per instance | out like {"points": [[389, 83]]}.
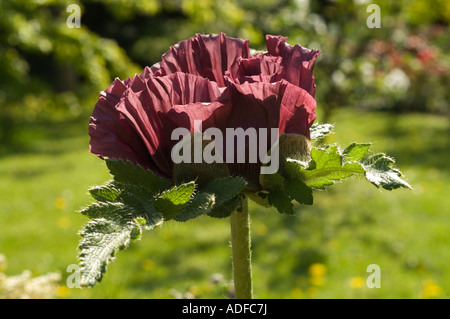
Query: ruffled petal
{"points": [[211, 79], [142, 109], [111, 133], [244, 106], [183, 88], [297, 110], [258, 68], [208, 56], [297, 62]]}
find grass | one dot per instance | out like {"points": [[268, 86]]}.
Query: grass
{"points": [[321, 252]]}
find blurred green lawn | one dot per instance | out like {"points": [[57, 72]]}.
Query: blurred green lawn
{"points": [[321, 252]]}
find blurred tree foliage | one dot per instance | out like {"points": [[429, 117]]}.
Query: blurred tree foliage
{"points": [[49, 70]]}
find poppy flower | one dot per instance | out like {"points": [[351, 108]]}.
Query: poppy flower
{"points": [[209, 79]]}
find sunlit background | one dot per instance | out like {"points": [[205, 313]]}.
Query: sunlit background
{"points": [[387, 85]]}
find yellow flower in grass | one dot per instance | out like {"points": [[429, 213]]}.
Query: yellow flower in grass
{"points": [[430, 289], [60, 203], [63, 291], [317, 272], [63, 222], [356, 282]]}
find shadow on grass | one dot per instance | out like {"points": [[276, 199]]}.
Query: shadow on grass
{"points": [[43, 136], [417, 143], [179, 266]]}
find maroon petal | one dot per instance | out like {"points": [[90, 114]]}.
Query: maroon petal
{"points": [[297, 62], [254, 105], [150, 71], [213, 79], [111, 134], [268, 105], [296, 110], [258, 68], [248, 105], [208, 56], [142, 109], [185, 116], [185, 88]]}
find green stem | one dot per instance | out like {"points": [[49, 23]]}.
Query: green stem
{"points": [[242, 259]]}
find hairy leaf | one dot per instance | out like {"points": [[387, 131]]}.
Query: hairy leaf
{"points": [[129, 173], [225, 208], [226, 191], [380, 172], [281, 201], [120, 200], [202, 203], [299, 191], [225, 188], [101, 239], [171, 202], [324, 169], [318, 131], [105, 192], [120, 215], [355, 152], [330, 165]]}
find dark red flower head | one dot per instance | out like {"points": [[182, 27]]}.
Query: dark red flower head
{"points": [[209, 78]]}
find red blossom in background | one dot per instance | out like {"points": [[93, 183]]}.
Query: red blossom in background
{"points": [[212, 78]]}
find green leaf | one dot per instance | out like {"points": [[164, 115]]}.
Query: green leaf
{"points": [[330, 165], [281, 191], [226, 191], [281, 201], [225, 208], [318, 131], [120, 215], [271, 181], [225, 188], [299, 191], [325, 158], [124, 200], [106, 192], [201, 204], [172, 201], [325, 168], [354, 152], [129, 173], [101, 239], [105, 209], [381, 173]]}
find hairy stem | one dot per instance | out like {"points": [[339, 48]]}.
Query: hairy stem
{"points": [[241, 246]]}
